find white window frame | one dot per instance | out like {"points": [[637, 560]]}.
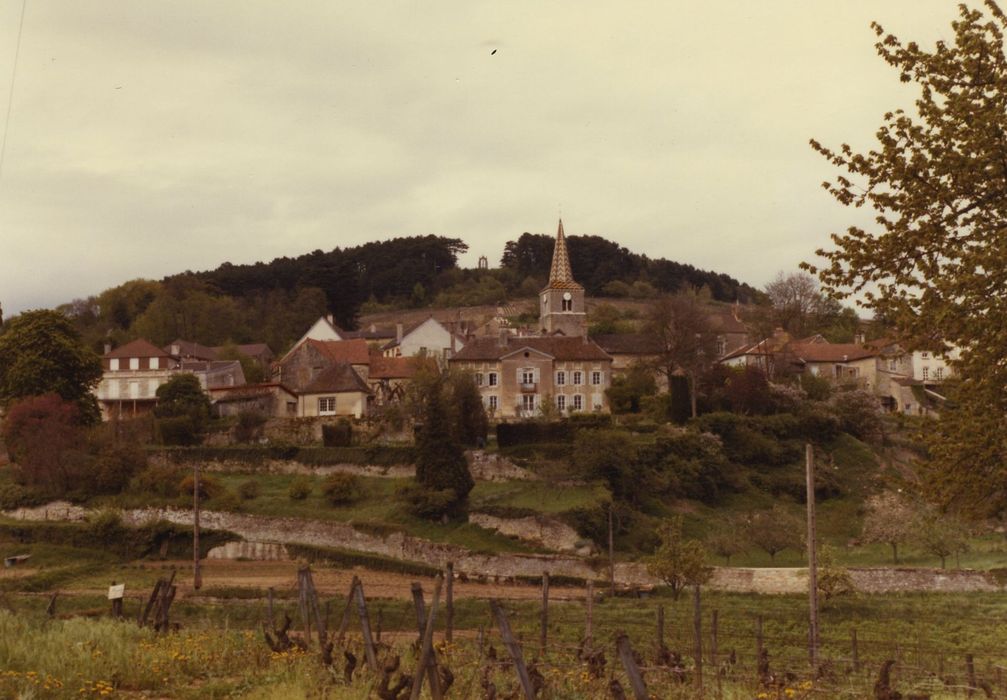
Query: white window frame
{"points": [[113, 364], [529, 403], [154, 363], [578, 402], [926, 373], [578, 378], [596, 377], [939, 373], [526, 375], [326, 405], [134, 363], [560, 378], [134, 390], [479, 378], [561, 402], [494, 402], [113, 389]]}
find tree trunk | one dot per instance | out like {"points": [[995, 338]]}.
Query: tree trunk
{"points": [[692, 393], [895, 552]]}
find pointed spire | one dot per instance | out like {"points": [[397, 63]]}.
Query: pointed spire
{"points": [[560, 275]]}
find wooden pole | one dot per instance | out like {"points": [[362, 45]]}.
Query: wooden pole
{"points": [[513, 648], [854, 651], [428, 644], [365, 628], [713, 639], [611, 553], [421, 624], [197, 573], [809, 458], [302, 600], [449, 603], [543, 640], [344, 621], [970, 674], [697, 632], [589, 627], [269, 609], [758, 639], [629, 664]]}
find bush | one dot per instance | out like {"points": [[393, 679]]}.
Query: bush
{"points": [[179, 430], [300, 488], [225, 500], [249, 490], [249, 427], [342, 489], [209, 487], [17, 496], [338, 435], [115, 465], [427, 503], [161, 480]]}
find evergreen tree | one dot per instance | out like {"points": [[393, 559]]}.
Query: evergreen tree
{"points": [[440, 462]]}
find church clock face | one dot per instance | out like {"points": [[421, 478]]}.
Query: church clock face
{"points": [[567, 296]]}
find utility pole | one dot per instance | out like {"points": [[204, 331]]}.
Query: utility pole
{"points": [[611, 553], [809, 458], [197, 574]]}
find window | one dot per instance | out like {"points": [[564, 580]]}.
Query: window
{"points": [[596, 402], [926, 373], [491, 379], [893, 365], [326, 405], [939, 373], [578, 402], [527, 376], [578, 378], [493, 403], [152, 385], [561, 402], [154, 363], [925, 355], [560, 378], [721, 346], [596, 378], [568, 304], [134, 390], [479, 378], [134, 363], [528, 403], [113, 364], [113, 389]]}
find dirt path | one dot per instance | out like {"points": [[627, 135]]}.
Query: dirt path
{"points": [[282, 576]]}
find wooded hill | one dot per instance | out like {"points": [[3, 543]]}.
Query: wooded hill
{"points": [[274, 302]]}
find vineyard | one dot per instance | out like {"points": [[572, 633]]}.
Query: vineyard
{"points": [[554, 642]]}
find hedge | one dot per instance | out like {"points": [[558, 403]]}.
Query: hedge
{"points": [[348, 559], [378, 455], [526, 432]]}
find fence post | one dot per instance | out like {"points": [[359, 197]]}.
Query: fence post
{"points": [[660, 631], [589, 630], [449, 604], [513, 647], [611, 554], [970, 672], [421, 621], [365, 628], [758, 640], [305, 606], [697, 631], [543, 640], [629, 663], [269, 609], [854, 650], [427, 649], [344, 622], [713, 638], [809, 458]]}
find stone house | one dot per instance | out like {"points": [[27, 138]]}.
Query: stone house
{"points": [[337, 391], [309, 358], [429, 338]]}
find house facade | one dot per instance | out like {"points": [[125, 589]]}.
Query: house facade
{"points": [[429, 338]]}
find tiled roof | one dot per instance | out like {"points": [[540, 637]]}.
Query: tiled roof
{"points": [[353, 351], [248, 349], [396, 367], [187, 348], [560, 347], [725, 322], [338, 378], [831, 352], [628, 343], [137, 348], [560, 274]]}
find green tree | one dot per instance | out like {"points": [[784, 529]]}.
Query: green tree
{"points": [[628, 391], [41, 353], [832, 579], [726, 539], [678, 562], [940, 534], [609, 455], [774, 530], [889, 520], [932, 261], [183, 410], [685, 341], [442, 473], [466, 410]]}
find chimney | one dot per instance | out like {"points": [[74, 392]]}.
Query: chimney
{"points": [[398, 332], [176, 350], [373, 328], [330, 319], [502, 339], [736, 311], [859, 338], [108, 348]]}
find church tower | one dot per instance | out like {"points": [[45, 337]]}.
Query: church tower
{"points": [[561, 303]]}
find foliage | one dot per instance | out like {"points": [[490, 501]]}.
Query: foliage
{"points": [[338, 435], [727, 539], [160, 480], [774, 530], [209, 487], [466, 407], [43, 436], [440, 462], [41, 353], [249, 490], [859, 413], [427, 503], [608, 455], [342, 489], [249, 427], [183, 410], [300, 488], [832, 579], [797, 305], [889, 520], [936, 182], [685, 341], [940, 534], [529, 432], [677, 561], [628, 391]]}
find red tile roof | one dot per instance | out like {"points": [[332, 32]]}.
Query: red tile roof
{"points": [[628, 343], [355, 351], [397, 367], [338, 378], [559, 347], [137, 348], [831, 352]]}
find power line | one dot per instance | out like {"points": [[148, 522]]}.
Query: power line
{"points": [[10, 94]]}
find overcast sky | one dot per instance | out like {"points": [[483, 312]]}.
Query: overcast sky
{"points": [[150, 138]]}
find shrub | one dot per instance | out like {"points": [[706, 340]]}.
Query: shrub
{"points": [[115, 465], [300, 488], [161, 480], [43, 436], [209, 487], [249, 490], [179, 430], [338, 435], [342, 489], [17, 496], [225, 500], [249, 427], [427, 503]]}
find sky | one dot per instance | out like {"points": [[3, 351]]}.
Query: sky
{"points": [[146, 139]]}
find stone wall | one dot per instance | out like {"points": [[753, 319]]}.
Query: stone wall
{"points": [[543, 531]]}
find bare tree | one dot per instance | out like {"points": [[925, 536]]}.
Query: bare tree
{"points": [[889, 520], [686, 343], [797, 302]]}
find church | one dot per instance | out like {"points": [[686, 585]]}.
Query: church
{"points": [[560, 369]]}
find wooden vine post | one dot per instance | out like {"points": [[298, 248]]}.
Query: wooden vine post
{"points": [[428, 647], [809, 458], [197, 573], [625, 651], [513, 648]]}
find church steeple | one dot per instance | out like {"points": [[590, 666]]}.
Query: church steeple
{"points": [[561, 303], [560, 274]]}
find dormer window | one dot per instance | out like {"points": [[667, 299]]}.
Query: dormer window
{"points": [[154, 363], [134, 363], [113, 364]]}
